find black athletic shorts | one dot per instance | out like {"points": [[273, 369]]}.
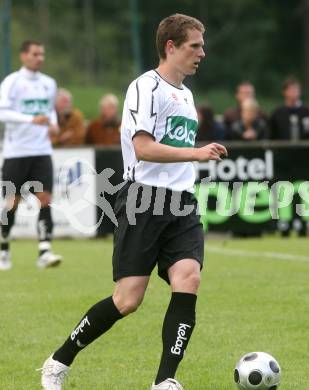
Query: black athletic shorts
{"points": [[155, 239], [19, 170]]}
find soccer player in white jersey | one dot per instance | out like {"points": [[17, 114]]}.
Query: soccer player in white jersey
{"points": [[27, 109], [157, 137]]}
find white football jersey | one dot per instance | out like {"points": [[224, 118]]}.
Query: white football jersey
{"points": [[24, 94], [169, 115]]}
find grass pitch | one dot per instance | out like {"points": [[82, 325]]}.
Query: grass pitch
{"points": [[254, 296]]}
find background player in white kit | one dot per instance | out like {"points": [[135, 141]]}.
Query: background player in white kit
{"points": [[158, 131], [27, 109]]}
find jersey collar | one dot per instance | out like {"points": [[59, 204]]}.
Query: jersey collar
{"points": [[181, 88], [29, 74]]}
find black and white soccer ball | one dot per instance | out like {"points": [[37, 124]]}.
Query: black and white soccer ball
{"points": [[257, 371]]}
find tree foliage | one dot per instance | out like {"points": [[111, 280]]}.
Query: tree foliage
{"points": [[90, 41]]}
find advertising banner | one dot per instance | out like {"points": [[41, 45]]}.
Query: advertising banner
{"points": [[256, 189], [74, 197]]}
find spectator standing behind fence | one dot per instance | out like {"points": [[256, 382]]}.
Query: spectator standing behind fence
{"points": [[290, 121], [70, 120], [209, 128], [251, 125], [105, 130], [244, 90]]}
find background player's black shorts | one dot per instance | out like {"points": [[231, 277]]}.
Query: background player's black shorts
{"points": [[22, 169], [155, 239]]}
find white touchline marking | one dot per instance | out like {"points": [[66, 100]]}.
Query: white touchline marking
{"points": [[244, 253]]}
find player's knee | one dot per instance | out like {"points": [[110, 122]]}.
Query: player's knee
{"points": [[44, 198], [189, 282], [131, 306], [11, 203], [127, 305], [194, 280]]}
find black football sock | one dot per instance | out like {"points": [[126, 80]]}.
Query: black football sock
{"points": [[99, 319], [7, 221], [177, 328], [45, 229]]}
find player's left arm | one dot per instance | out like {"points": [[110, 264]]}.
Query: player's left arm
{"points": [[53, 126], [147, 149]]}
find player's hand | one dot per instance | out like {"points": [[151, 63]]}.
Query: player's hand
{"points": [[40, 120], [212, 151]]}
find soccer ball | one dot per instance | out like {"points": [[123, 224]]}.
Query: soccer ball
{"points": [[257, 371]]}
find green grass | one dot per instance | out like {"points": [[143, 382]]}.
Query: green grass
{"points": [[246, 303], [87, 98]]}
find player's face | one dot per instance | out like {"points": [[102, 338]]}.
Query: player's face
{"points": [[34, 58], [189, 54]]}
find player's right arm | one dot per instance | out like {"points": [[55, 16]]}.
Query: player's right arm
{"points": [[7, 113]]}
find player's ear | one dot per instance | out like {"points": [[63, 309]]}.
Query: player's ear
{"points": [[169, 47], [23, 56]]}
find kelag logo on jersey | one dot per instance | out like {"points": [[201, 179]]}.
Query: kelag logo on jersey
{"points": [[180, 131], [35, 106]]}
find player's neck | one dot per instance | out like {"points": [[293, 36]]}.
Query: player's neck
{"points": [[29, 74], [29, 70], [170, 74]]}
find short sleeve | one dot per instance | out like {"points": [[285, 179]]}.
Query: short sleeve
{"points": [[143, 105]]}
